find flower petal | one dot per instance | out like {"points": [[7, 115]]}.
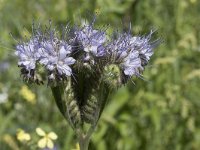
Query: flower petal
{"points": [[40, 132], [69, 60], [62, 52], [23, 136], [52, 136], [50, 143], [42, 143], [64, 69]]}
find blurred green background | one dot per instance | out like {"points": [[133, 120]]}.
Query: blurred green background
{"points": [[161, 112]]}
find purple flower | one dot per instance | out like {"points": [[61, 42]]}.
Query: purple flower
{"points": [[91, 40], [144, 47], [88, 46], [56, 56], [125, 54], [131, 64], [131, 52], [119, 47], [27, 54]]}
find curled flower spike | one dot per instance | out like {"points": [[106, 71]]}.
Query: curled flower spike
{"points": [[124, 53], [43, 52], [55, 56], [131, 52], [91, 40], [131, 64], [144, 47], [28, 56]]}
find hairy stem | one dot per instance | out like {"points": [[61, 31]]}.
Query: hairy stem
{"points": [[84, 139], [84, 142]]}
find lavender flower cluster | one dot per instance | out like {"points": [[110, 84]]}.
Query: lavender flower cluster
{"points": [[83, 45]]}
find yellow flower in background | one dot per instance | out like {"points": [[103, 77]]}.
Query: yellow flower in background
{"points": [[77, 147], [28, 94], [25, 33], [97, 11], [47, 138], [193, 1], [22, 136]]}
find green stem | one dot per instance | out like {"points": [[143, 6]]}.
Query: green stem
{"points": [[84, 140]]}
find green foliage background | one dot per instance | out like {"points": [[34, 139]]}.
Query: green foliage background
{"points": [[161, 112]]}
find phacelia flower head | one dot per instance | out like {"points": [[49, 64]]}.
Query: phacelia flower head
{"points": [[144, 46], [28, 57], [55, 57], [91, 40], [46, 51], [132, 53], [131, 64], [85, 50], [82, 67], [124, 53], [27, 54], [119, 47]]}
